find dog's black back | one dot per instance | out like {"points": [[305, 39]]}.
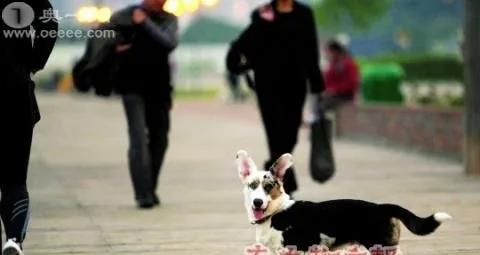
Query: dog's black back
{"points": [[347, 220]]}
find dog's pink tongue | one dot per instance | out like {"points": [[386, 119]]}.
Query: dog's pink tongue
{"points": [[258, 214]]}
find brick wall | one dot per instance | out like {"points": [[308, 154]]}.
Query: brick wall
{"points": [[435, 131]]}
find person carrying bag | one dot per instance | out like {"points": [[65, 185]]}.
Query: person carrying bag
{"points": [[322, 162], [342, 80]]}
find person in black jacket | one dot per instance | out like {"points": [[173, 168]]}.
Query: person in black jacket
{"points": [[281, 47], [144, 80], [18, 107]]}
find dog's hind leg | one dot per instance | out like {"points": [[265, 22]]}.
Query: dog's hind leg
{"points": [[396, 231]]}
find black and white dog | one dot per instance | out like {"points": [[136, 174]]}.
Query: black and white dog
{"points": [[263, 196], [282, 222]]}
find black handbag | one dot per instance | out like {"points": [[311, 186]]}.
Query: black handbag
{"points": [[322, 163]]}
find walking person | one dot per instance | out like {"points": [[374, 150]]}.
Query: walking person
{"points": [[280, 46], [19, 58], [146, 36]]}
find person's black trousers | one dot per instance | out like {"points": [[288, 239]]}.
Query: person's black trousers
{"points": [[148, 127], [282, 118], [19, 113]]}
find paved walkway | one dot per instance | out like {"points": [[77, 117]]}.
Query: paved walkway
{"points": [[82, 198]]}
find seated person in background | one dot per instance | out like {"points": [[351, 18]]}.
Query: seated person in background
{"points": [[341, 78]]}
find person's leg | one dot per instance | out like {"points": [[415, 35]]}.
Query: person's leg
{"points": [[280, 139], [15, 204], [287, 132], [16, 136], [158, 123], [269, 115], [138, 153]]}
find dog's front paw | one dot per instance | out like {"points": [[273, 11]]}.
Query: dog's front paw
{"points": [[326, 240]]}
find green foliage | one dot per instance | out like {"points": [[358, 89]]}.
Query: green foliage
{"points": [[209, 30], [423, 23], [363, 14], [424, 67]]}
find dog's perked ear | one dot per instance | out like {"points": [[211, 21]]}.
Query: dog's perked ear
{"points": [[280, 166], [245, 164]]}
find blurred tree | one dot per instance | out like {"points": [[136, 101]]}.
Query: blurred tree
{"points": [[208, 30], [472, 88], [362, 14], [439, 19]]}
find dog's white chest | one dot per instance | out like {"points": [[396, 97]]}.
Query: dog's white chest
{"points": [[269, 237]]}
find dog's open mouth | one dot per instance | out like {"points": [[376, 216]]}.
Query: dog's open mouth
{"points": [[258, 214]]}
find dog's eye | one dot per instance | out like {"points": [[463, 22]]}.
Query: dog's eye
{"points": [[253, 185], [268, 187]]}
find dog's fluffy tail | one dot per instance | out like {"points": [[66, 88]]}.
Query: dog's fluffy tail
{"points": [[417, 225]]}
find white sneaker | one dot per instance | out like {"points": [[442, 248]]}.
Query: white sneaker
{"points": [[12, 248]]}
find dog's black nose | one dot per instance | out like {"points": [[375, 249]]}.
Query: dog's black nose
{"points": [[257, 202]]}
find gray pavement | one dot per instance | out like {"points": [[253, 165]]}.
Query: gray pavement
{"points": [[83, 204]]}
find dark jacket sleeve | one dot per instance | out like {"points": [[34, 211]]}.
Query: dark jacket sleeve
{"points": [[43, 45], [314, 74], [121, 22], [241, 54], [166, 34]]}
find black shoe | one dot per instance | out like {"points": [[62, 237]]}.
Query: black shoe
{"points": [[146, 203], [156, 200]]}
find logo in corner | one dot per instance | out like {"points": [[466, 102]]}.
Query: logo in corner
{"points": [[18, 15]]}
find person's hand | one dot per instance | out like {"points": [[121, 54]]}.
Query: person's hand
{"points": [[123, 47], [139, 16], [266, 13], [313, 113], [326, 93], [34, 71]]}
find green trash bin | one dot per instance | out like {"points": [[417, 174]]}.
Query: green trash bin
{"points": [[381, 83]]}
